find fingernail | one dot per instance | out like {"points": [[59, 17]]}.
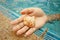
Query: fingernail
{"points": [[25, 35], [14, 29], [11, 23], [17, 33]]}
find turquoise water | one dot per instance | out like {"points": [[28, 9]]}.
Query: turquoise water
{"points": [[49, 6]]}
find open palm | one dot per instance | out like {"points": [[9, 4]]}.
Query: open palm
{"points": [[40, 20]]}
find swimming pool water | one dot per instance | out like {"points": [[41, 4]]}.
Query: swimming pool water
{"points": [[12, 8]]}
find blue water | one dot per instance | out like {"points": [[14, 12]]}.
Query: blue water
{"points": [[8, 7]]}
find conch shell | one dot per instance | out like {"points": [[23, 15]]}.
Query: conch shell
{"points": [[29, 21]]}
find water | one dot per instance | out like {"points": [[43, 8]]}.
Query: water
{"points": [[13, 7]]}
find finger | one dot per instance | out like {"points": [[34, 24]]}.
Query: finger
{"points": [[30, 31], [23, 30], [35, 14], [18, 20], [19, 26], [27, 11], [32, 14]]}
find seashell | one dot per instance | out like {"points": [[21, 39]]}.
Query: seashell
{"points": [[29, 21]]}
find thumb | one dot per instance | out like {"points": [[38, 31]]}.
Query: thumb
{"points": [[26, 11]]}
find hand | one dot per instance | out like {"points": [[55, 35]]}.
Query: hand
{"points": [[40, 20]]}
